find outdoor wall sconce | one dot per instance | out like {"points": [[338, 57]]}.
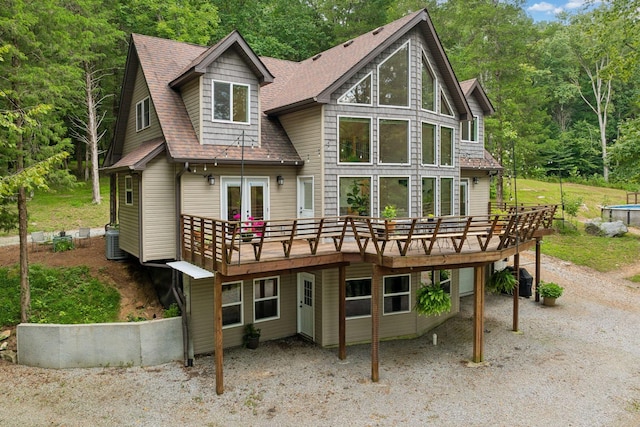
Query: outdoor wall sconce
{"points": [[211, 179], [475, 180], [280, 180]]}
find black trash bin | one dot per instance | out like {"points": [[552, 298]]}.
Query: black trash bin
{"points": [[525, 283]]}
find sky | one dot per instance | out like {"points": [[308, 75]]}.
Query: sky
{"points": [[546, 10]]}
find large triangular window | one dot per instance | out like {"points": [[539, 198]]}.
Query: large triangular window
{"points": [[393, 79], [360, 93], [428, 87], [445, 108]]}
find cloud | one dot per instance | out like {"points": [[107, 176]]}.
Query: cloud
{"points": [[576, 4], [544, 7]]}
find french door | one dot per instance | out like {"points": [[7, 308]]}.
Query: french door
{"points": [[246, 199]]}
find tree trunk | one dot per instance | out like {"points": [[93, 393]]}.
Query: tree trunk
{"points": [[25, 288], [92, 129]]}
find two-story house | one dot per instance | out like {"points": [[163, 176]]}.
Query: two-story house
{"points": [[218, 132]]}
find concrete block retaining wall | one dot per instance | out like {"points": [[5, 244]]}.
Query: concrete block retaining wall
{"points": [[145, 343]]}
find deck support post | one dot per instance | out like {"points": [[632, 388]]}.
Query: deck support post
{"points": [[516, 299], [375, 322], [342, 312], [538, 241], [478, 313], [217, 322]]}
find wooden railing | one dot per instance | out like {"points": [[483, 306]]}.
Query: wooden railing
{"points": [[207, 241]]}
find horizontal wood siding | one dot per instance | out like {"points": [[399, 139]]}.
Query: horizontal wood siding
{"points": [[132, 138], [201, 308], [191, 98], [415, 171], [128, 217], [232, 69], [158, 211], [478, 193], [305, 131]]}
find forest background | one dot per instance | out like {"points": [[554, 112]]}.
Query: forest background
{"points": [[566, 92]]}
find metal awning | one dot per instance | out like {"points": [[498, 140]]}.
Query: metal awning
{"points": [[191, 270]]}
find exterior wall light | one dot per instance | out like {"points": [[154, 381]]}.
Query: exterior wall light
{"points": [[211, 179], [280, 180]]}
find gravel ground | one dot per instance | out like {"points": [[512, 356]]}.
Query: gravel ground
{"points": [[576, 364]]}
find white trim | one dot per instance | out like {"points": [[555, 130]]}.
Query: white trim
{"points": [[370, 74], [300, 277], [190, 270], [384, 294], [240, 303], [425, 58], [300, 192], [213, 100], [226, 180], [277, 297], [435, 143], [409, 86], [128, 190], [370, 177], [370, 298], [446, 100], [140, 115], [453, 146], [469, 123], [370, 162], [436, 205], [408, 177], [453, 193], [408, 162]]}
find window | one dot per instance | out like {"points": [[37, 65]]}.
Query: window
{"points": [[360, 93], [231, 304], [230, 102], [445, 109], [428, 87], [393, 141], [428, 196], [128, 190], [428, 144], [393, 79], [470, 130], [397, 291], [354, 196], [446, 146], [358, 301], [437, 276], [142, 114], [463, 209], [446, 196], [266, 298], [354, 136], [394, 191]]}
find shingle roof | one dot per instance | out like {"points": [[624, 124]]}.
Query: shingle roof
{"points": [[137, 159], [486, 163]]}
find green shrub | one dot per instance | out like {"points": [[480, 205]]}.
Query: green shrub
{"points": [[432, 299], [502, 281], [172, 311], [550, 290]]}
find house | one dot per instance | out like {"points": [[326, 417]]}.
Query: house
{"points": [[220, 133]]}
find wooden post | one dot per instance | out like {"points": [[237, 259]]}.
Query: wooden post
{"points": [[516, 267], [538, 241], [478, 314], [375, 322], [217, 325], [342, 312]]}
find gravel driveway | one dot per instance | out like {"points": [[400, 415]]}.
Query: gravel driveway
{"points": [[577, 364]]}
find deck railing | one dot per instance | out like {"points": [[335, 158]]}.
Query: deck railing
{"points": [[207, 241]]}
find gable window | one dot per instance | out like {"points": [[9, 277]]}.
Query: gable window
{"points": [[394, 191], [428, 144], [354, 136], [142, 114], [358, 301], [230, 102], [360, 93], [446, 196], [393, 79], [397, 294], [428, 196], [470, 130], [128, 190], [428, 87], [393, 141], [445, 108], [231, 304], [354, 195], [446, 146], [266, 298]]}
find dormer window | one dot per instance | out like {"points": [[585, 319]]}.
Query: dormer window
{"points": [[142, 114], [470, 130], [230, 102], [393, 79]]}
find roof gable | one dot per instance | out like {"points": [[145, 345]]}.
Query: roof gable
{"points": [[473, 88], [316, 78], [234, 41]]}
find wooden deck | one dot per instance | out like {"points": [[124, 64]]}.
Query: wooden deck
{"points": [[243, 248]]}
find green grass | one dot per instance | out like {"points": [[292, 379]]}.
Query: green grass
{"points": [[58, 295], [67, 208]]}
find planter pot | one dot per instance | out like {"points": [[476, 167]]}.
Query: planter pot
{"points": [[550, 302], [253, 342], [247, 237], [390, 226]]}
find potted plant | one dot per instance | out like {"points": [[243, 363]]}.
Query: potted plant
{"points": [[502, 281], [389, 213], [358, 203], [251, 337], [432, 299], [550, 291]]}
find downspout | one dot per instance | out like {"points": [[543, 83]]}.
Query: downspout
{"points": [[176, 276]]}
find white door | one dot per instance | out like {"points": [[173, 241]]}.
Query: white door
{"points": [[249, 199], [306, 289], [465, 281], [463, 209], [305, 197]]}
